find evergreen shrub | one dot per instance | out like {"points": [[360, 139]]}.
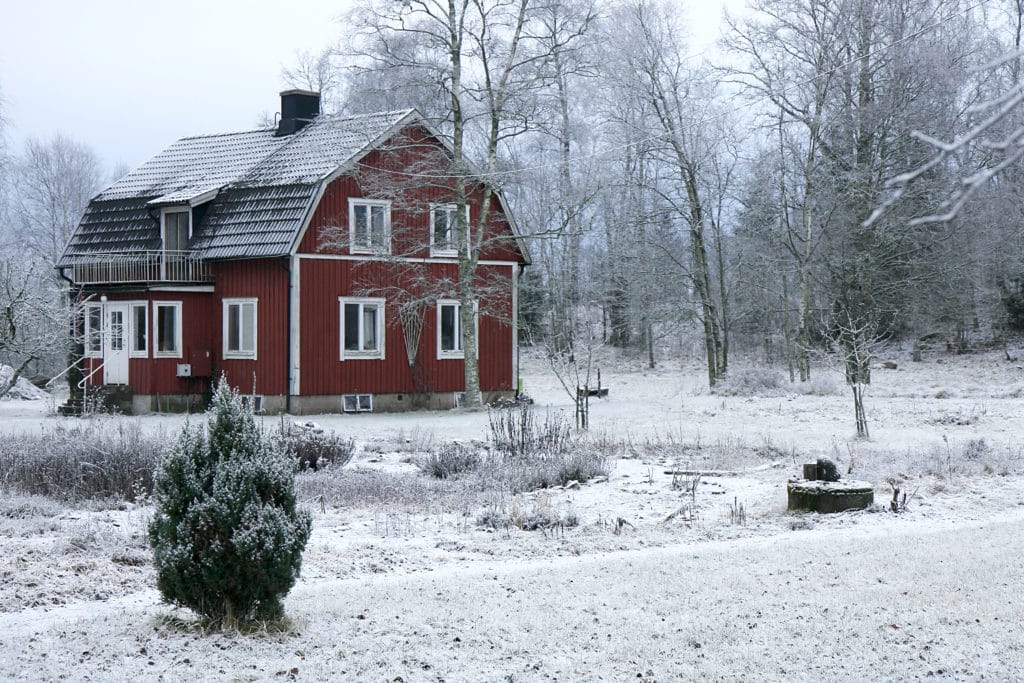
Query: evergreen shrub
{"points": [[227, 537]]}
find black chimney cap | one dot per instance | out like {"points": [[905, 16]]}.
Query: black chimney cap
{"points": [[298, 107]]}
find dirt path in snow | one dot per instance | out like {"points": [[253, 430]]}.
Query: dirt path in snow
{"points": [[889, 601]]}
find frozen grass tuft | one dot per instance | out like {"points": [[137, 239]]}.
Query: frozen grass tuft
{"points": [[518, 433], [312, 447], [450, 460], [769, 382], [541, 516]]}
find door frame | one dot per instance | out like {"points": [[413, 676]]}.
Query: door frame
{"points": [[115, 360]]}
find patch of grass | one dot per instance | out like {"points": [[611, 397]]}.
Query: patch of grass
{"points": [[94, 460], [358, 488], [541, 516], [450, 460]]}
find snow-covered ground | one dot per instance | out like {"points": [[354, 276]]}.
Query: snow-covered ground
{"points": [[654, 584]]}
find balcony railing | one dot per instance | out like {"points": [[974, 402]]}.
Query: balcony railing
{"points": [[140, 266]]}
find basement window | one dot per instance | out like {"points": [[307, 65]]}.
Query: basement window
{"points": [[357, 403], [253, 402]]}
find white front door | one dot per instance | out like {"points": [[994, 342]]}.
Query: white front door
{"points": [[115, 345]]}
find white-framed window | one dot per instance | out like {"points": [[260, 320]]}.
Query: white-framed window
{"points": [[167, 329], [254, 402], [357, 403], [177, 229], [93, 332], [443, 238], [369, 226], [362, 328], [240, 328], [139, 325], [449, 328]]}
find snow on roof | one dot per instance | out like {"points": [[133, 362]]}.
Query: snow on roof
{"points": [[258, 187], [206, 160]]}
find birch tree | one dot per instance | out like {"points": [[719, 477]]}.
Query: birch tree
{"points": [[650, 49], [479, 55]]}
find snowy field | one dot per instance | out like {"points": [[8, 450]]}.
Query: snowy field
{"points": [[400, 583]]}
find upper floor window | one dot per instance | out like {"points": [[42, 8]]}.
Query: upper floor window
{"points": [[369, 225], [240, 328], [362, 328], [176, 229], [444, 237]]}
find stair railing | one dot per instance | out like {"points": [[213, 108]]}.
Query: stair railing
{"points": [[83, 384]]}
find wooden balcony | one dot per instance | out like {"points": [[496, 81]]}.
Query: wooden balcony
{"points": [[140, 267]]}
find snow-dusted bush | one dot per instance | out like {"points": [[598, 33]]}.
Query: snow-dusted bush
{"points": [[517, 432], [312, 447], [751, 382], [542, 516], [450, 459], [769, 382], [92, 460], [226, 534]]}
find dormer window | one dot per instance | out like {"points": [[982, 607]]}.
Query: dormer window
{"points": [[176, 229], [369, 226]]}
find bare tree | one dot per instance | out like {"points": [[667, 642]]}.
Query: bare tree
{"points": [[54, 181], [316, 71], [479, 54], [34, 320], [649, 46]]}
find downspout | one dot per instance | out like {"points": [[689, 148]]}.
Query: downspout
{"points": [[72, 297], [515, 326], [286, 264]]}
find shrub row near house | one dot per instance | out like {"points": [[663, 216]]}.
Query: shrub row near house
{"points": [[114, 459]]}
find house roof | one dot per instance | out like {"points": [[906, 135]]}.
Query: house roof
{"points": [[257, 188], [252, 191]]}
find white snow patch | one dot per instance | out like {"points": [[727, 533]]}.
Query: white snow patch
{"points": [[23, 390]]}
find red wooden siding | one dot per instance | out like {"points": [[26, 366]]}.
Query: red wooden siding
{"points": [[202, 330], [323, 280], [410, 202], [152, 375], [267, 281]]}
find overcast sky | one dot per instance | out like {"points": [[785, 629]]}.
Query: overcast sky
{"points": [[129, 77]]}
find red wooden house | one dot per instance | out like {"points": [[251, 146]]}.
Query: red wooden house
{"points": [[312, 263]]}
